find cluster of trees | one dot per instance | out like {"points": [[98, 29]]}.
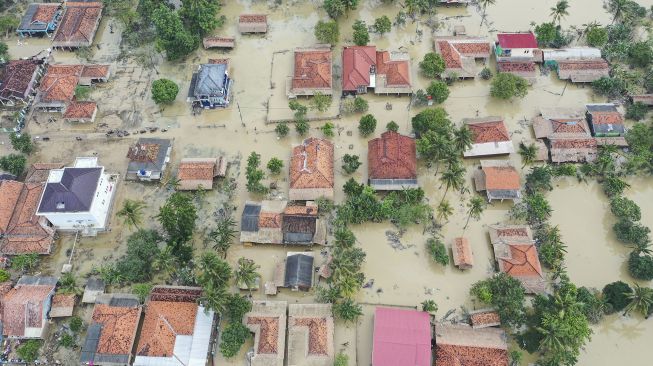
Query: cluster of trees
{"points": [[254, 175], [301, 122], [16, 163], [550, 34], [432, 66], [354, 105], [438, 251], [338, 8], [507, 86]]}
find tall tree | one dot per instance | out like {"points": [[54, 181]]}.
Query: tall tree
{"points": [[213, 270], [475, 208], [177, 216], [617, 7], [200, 16], [641, 301], [444, 210], [246, 273], [462, 139], [528, 153], [559, 11], [453, 177], [223, 234], [132, 212]]}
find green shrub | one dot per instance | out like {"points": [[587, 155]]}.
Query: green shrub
{"points": [[508, 86], [597, 37], [75, 323], [367, 125], [616, 294], [361, 34], [327, 32], [4, 275], [438, 90], [438, 251], [382, 25], [341, 360], [593, 305], [233, 337], [486, 73], [29, 351], [164, 91], [282, 129], [328, 129], [22, 142], [237, 307], [636, 111], [392, 126], [429, 306], [350, 163], [432, 65], [67, 340], [275, 165], [13, 163], [625, 209], [302, 127], [640, 266], [629, 232]]}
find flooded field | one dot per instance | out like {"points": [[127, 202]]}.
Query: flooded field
{"points": [[403, 276]]}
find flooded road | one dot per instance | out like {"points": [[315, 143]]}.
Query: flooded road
{"points": [[404, 276]]}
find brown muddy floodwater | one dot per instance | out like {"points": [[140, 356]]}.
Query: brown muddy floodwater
{"points": [[260, 65]]}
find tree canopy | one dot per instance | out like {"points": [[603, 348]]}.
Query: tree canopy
{"points": [[361, 34], [327, 32], [432, 65], [508, 86], [164, 91]]}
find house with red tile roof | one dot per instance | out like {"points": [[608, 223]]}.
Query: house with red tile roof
{"points": [[605, 120], [310, 335], [312, 72], [463, 257], [274, 222], [79, 24], [267, 320], [21, 230], [524, 69], [111, 334], [499, 179], [459, 344], [460, 54], [484, 318], [81, 112], [392, 162], [363, 68], [19, 78], [26, 306], [516, 255], [521, 46], [176, 330], [567, 135], [401, 337], [578, 64], [489, 137], [311, 170], [571, 150], [253, 23], [196, 173]]}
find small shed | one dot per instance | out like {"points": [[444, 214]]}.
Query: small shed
{"points": [[94, 288], [646, 99], [62, 305], [463, 257], [299, 271], [219, 42], [484, 318], [253, 23], [459, 30]]}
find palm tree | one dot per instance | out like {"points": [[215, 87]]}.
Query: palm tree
{"points": [[550, 330], [132, 212], [475, 208], [528, 153], [213, 271], [214, 298], [617, 7], [246, 273], [348, 286], [560, 11], [68, 285], [484, 4], [462, 139], [165, 261], [454, 177], [223, 235], [444, 210], [641, 300]]}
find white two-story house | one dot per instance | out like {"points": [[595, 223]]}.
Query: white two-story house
{"points": [[78, 198]]}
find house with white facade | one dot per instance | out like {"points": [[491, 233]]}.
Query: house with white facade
{"points": [[78, 198]]}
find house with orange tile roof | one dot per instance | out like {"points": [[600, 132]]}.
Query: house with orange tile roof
{"points": [[489, 137], [267, 320], [219, 42], [22, 231], [275, 222], [526, 70], [312, 72], [18, 80], [459, 344], [176, 330], [567, 135], [39, 19], [605, 120], [26, 307], [252, 23], [81, 112], [578, 64], [460, 54], [516, 255], [392, 162], [463, 257], [484, 318], [62, 305], [499, 179], [311, 170], [196, 173], [363, 68], [310, 335], [79, 24], [111, 334]]}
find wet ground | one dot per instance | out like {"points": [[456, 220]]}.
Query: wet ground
{"points": [[403, 276]]}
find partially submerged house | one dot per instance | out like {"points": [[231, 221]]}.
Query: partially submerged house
{"points": [[39, 19], [516, 255], [22, 231], [274, 222], [79, 24], [78, 198], [63, 305], [18, 80], [267, 320], [606, 123], [312, 72], [573, 150], [489, 137], [311, 170], [499, 179], [196, 173], [210, 86], [219, 42], [363, 68], [460, 54], [401, 337], [176, 330], [252, 23], [527, 70], [517, 47], [299, 271], [578, 64], [148, 159], [80, 112], [25, 307], [458, 344], [463, 257], [310, 335], [567, 135], [111, 333], [392, 162]]}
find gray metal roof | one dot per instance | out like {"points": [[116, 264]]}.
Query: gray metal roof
{"points": [[95, 284], [249, 220], [74, 193], [37, 281], [605, 107], [299, 271], [158, 163], [26, 23], [210, 80]]}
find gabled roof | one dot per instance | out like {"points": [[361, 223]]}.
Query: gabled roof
{"points": [[501, 177], [461, 345], [462, 253], [401, 337], [517, 40], [73, 192], [311, 164], [210, 79], [39, 172], [392, 156], [80, 110], [17, 77], [299, 270], [37, 16], [488, 129], [197, 169], [397, 72], [604, 114], [24, 304], [312, 69], [78, 25], [253, 18], [356, 64], [459, 53]]}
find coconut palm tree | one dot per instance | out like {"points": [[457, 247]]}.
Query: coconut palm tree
{"points": [[617, 7], [550, 330], [528, 153], [462, 139], [641, 300], [454, 177], [213, 271], [348, 286], [132, 212], [475, 208], [68, 285], [165, 261], [560, 11], [444, 210], [223, 235], [246, 273], [214, 298], [484, 4]]}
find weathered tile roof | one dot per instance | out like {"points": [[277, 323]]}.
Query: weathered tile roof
{"points": [[516, 67], [78, 25], [461, 345], [605, 118], [253, 18], [311, 164], [483, 319], [218, 42], [119, 325], [462, 253], [95, 71], [392, 156], [268, 334], [312, 69], [489, 131], [459, 53], [397, 72], [310, 332], [17, 78], [37, 16], [356, 64], [164, 321], [80, 110], [63, 300], [523, 261], [197, 170], [267, 320], [39, 172], [573, 143], [23, 305], [269, 220]]}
